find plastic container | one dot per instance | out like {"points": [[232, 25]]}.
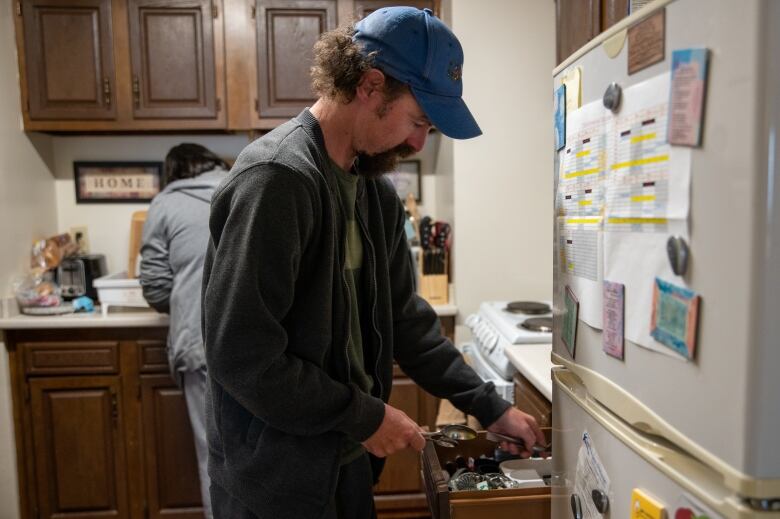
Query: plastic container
{"points": [[119, 290]]}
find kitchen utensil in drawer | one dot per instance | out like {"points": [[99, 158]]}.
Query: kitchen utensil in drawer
{"points": [[497, 503], [450, 435]]}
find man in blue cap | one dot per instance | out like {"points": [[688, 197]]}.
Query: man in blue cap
{"points": [[308, 294]]}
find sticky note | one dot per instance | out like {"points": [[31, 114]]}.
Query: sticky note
{"points": [[572, 80], [645, 507]]}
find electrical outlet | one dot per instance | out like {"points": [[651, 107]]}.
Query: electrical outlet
{"points": [[80, 236]]}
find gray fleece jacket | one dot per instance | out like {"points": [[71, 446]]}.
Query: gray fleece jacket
{"points": [[173, 246], [276, 321]]}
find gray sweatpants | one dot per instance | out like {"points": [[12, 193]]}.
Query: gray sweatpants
{"points": [[194, 387]]}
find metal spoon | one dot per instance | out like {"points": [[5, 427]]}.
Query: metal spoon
{"points": [[450, 435]]}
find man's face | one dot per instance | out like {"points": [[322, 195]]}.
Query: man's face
{"points": [[392, 131]]}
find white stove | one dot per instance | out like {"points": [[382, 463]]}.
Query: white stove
{"points": [[498, 324]]}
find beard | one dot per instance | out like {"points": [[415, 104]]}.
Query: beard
{"points": [[377, 164]]}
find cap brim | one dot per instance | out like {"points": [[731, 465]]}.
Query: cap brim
{"points": [[449, 115]]}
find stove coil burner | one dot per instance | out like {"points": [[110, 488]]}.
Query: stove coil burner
{"points": [[537, 324], [527, 307]]}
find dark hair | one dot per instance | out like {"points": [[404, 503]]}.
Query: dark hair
{"points": [[188, 160], [339, 64]]}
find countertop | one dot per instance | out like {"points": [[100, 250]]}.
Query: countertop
{"points": [[118, 317], [533, 361]]}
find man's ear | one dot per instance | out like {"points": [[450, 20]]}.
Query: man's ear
{"points": [[372, 83]]}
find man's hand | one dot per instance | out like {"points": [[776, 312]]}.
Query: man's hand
{"points": [[520, 425], [396, 432]]}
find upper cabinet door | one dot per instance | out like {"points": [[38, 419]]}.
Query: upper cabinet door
{"points": [[172, 53], [577, 22], [286, 33], [365, 7], [68, 54]]}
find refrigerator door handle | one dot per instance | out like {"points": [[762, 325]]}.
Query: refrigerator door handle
{"points": [[701, 480]]}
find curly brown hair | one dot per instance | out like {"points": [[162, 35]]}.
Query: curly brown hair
{"points": [[339, 64]]}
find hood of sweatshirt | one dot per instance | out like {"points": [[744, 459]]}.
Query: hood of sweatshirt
{"points": [[200, 187]]}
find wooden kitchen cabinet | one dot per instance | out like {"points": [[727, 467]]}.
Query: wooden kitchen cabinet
{"points": [[579, 21], [101, 428], [171, 468], [172, 52], [531, 401], [170, 464], [121, 65], [68, 53], [78, 441], [286, 32]]}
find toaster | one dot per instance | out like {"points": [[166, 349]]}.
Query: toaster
{"points": [[75, 275]]}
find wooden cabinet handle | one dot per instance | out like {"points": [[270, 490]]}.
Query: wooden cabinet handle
{"points": [[107, 91], [136, 92], [114, 408]]}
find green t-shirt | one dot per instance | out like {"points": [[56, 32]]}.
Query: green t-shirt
{"points": [[347, 183]]}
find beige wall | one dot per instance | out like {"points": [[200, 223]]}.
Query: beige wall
{"points": [[503, 179], [109, 224], [27, 211]]}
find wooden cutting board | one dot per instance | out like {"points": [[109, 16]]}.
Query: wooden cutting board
{"points": [[136, 231]]}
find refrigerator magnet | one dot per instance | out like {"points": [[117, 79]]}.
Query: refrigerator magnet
{"points": [[643, 506], [570, 317], [614, 318], [688, 507], [560, 117], [675, 317]]}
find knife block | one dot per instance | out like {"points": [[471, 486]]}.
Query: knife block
{"points": [[434, 288]]}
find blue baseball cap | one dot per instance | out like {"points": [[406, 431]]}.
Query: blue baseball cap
{"points": [[416, 48]]}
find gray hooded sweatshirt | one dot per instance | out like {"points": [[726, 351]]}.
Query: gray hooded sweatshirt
{"points": [[173, 247]]}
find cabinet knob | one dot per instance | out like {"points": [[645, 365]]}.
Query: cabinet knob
{"points": [[106, 91], [136, 92], [114, 408]]}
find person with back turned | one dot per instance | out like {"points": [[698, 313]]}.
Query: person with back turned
{"points": [[172, 252], [308, 294]]}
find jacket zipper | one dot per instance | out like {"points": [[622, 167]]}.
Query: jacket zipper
{"points": [[347, 328], [373, 289]]}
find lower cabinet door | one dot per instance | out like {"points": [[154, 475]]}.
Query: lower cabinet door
{"points": [[172, 481], [79, 447]]}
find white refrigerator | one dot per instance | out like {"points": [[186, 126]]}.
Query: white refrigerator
{"points": [[666, 400]]}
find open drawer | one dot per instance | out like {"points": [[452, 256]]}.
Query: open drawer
{"points": [[503, 503]]}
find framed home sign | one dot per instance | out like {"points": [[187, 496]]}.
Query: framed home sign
{"points": [[116, 182], [407, 179]]}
